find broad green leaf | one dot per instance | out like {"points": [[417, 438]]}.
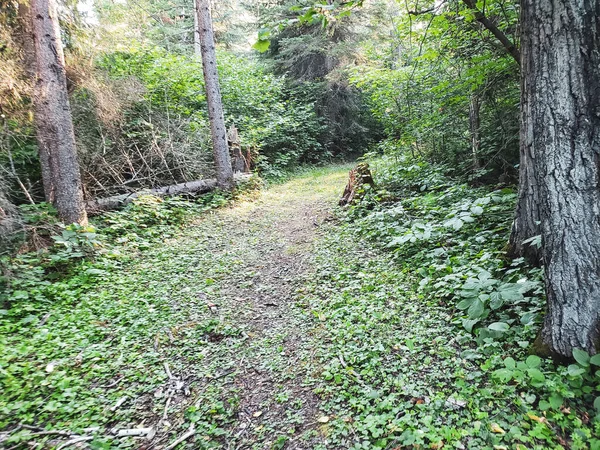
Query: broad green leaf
{"points": [[533, 361], [262, 45], [469, 324], [582, 357], [499, 326], [544, 405], [476, 310], [556, 401], [536, 375], [503, 375], [496, 300], [595, 360], [466, 303], [510, 363], [574, 370]]}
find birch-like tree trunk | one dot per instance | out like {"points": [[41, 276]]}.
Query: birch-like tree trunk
{"points": [[197, 48], [53, 119], [475, 128], [213, 97], [561, 143]]}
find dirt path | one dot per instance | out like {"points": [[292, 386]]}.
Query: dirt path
{"points": [[259, 352], [273, 239]]}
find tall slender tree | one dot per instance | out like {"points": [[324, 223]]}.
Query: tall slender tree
{"points": [[560, 134], [213, 96], [53, 119], [197, 48]]}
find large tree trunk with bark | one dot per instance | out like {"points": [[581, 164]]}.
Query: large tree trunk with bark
{"points": [[526, 225], [56, 138], [561, 145], [28, 50], [213, 96]]}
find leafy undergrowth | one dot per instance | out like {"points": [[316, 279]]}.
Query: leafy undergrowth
{"points": [[157, 325], [89, 328], [427, 327], [268, 325]]}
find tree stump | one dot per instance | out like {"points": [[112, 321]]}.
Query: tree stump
{"points": [[357, 179], [238, 162]]}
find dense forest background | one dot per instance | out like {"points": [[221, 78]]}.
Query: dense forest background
{"points": [[333, 84]]}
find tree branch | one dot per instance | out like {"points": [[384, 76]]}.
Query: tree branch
{"points": [[504, 40]]}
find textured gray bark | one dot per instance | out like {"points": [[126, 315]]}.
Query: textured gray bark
{"points": [[197, 48], [213, 97], [561, 111], [527, 217], [53, 115], [28, 50]]}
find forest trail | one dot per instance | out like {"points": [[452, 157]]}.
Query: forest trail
{"points": [[268, 244], [205, 329]]}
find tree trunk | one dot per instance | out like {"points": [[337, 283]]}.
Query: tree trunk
{"points": [[561, 131], [213, 97], [474, 125], [527, 216], [197, 47], [53, 116], [99, 205], [25, 40]]}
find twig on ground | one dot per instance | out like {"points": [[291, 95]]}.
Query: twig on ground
{"points": [[119, 403], [169, 374], [183, 437], [145, 432], [74, 441], [164, 416], [113, 384]]}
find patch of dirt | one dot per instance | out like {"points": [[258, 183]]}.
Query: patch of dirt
{"points": [[277, 403]]}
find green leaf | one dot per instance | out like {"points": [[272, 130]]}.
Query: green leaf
{"points": [[469, 324], [466, 303], [536, 375], [533, 361], [496, 300], [262, 45], [597, 404], [528, 318], [499, 326], [556, 401], [582, 357], [543, 405], [574, 370], [476, 310], [510, 363], [595, 360], [503, 375]]}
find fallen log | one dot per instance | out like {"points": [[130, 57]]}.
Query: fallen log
{"points": [[99, 205]]}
